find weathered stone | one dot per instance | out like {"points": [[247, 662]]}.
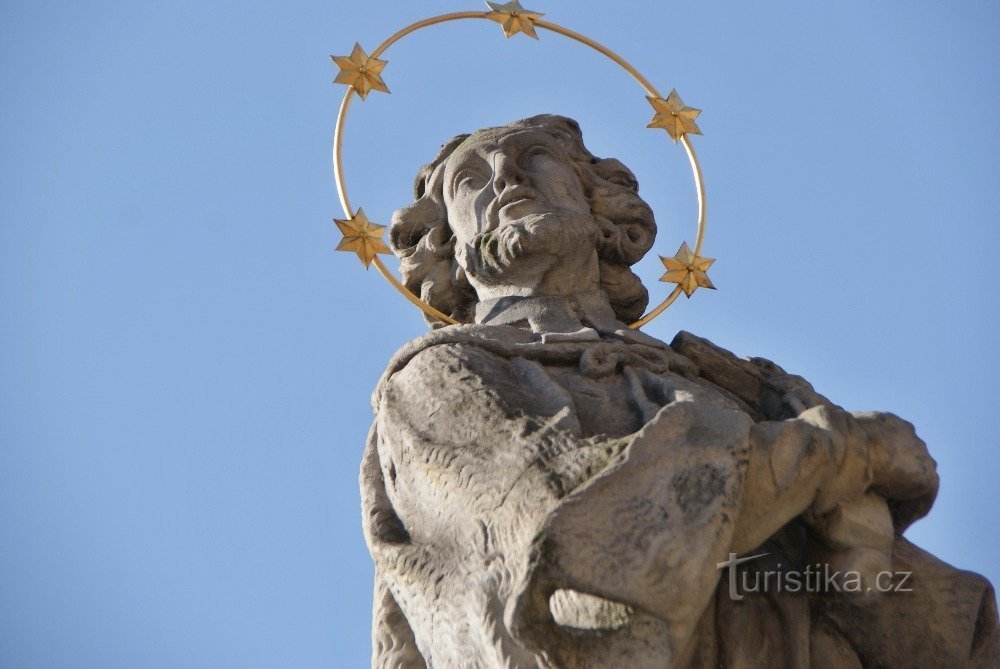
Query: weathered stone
{"points": [[548, 488]]}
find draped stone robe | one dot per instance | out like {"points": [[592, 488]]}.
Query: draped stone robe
{"points": [[534, 503]]}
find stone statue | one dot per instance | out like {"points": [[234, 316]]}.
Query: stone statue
{"points": [[545, 487]]}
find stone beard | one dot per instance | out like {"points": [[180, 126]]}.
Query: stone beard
{"points": [[547, 488]]}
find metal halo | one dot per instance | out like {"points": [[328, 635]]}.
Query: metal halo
{"points": [[338, 170]]}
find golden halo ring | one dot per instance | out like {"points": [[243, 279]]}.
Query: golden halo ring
{"points": [[338, 136]]}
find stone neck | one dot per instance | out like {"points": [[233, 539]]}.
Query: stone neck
{"points": [[577, 317]]}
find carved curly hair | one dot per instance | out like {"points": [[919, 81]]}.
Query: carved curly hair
{"points": [[425, 243]]}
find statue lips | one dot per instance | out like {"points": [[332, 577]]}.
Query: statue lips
{"points": [[510, 206]]}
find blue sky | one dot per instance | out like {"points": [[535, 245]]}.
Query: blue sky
{"points": [[185, 365]]}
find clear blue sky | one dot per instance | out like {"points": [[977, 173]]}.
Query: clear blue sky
{"points": [[185, 365]]}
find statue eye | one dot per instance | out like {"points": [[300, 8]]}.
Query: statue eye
{"points": [[625, 181], [469, 181], [538, 160]]}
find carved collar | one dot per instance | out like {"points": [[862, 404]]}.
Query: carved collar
{"points": [[579, 317]]}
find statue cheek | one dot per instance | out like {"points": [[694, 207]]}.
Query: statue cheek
{"points": [[567, 192], [479, 211], [462, 218]]}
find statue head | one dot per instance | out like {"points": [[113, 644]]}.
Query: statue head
{"points": [[523, 210]]}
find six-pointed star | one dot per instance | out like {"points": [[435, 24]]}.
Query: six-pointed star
{"points": [[674, 116], [361, 71], [687, 270], [514, 18], [362, 236]]}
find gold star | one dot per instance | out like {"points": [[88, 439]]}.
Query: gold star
{"points": [[514, 18], [362, 236], [360, 71], [674, 116], [687, 270]]}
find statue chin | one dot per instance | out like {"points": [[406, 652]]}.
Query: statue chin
{"points": [[521, 251]]}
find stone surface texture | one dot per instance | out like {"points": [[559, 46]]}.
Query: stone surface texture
{"points": [[545, 487]]}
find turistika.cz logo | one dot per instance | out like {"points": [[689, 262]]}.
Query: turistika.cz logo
{"points": [[818, 578]]}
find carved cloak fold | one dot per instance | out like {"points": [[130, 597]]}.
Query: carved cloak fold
{"points": [[566, 504]]}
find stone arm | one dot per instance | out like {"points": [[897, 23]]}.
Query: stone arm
{"points": [[902, 471], [698, 483], [880, 476]]}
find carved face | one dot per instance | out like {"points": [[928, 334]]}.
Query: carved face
{"points": [[523, 210], [498, 181], [522, 223]]}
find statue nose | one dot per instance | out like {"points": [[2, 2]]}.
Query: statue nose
{"points": [[506, 172]]}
